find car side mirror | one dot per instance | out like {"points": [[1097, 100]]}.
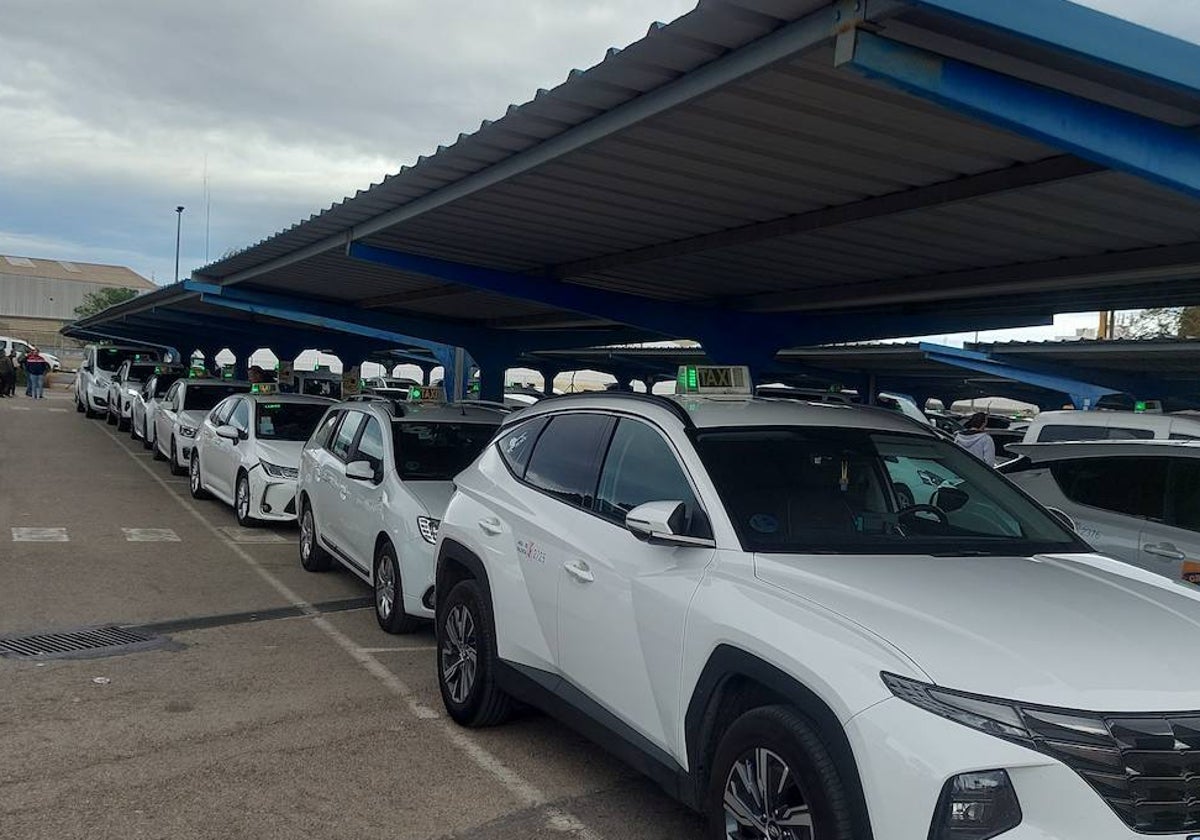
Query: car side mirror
{"points": [[949, 499], [1066, 520], [228, 432], [662, 523], [360, 471]]}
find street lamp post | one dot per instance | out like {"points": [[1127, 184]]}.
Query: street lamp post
{"points": [[178, 226]]}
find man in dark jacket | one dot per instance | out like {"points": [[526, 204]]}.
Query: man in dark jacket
{"points": [[8, 374], [36, 369]]}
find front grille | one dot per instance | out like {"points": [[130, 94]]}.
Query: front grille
{"points": [[1146, 767]]}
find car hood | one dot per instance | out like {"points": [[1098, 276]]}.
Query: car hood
{"points": [[1075, 631], [433, 495], [193, 418], [283, 453]]}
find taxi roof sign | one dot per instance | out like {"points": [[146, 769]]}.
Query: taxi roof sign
{"points": [[427, 394], [714, 379], [264, 388]]}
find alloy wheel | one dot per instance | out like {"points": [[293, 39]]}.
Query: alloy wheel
{"points": [[385, 587], [306, 534], [460, 653], [764, 801], [243, 499], [195, 475]]}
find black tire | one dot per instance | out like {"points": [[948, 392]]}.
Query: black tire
{"points": [[482, 703], [158, 456], [108, 416], [767, 735], [122, 423], [195, 484], [79, 406], [312, 557], [244, 518], [146, 444], [390, 588], [176, 467]]}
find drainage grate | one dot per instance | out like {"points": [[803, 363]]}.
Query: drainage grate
{"points": [[79, 644]]}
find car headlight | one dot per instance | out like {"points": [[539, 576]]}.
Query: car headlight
{"points": [[276, 471], [187, 431], [429, 528]]}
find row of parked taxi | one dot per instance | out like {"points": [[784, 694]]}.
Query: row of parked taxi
{"points": [[734, 595]]}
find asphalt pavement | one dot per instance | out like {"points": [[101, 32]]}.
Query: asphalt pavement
{"points": [[276, 708]]}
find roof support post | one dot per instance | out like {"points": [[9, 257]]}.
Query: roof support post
{"points": [[1151, 149]]}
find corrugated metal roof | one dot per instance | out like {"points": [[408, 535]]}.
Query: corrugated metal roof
{"points": [[76, 272], [791, 186]]}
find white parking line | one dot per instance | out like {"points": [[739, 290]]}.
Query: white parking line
{"points": [[397, 649], [150, 535], [250, 536], [557, 819], [19, 407], [40, 535], [58, 410]]}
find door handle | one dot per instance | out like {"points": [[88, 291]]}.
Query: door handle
{"points": [[580, 570], [1164, 550], [491, 526]]}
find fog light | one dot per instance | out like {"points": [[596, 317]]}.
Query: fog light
{"points": [[976, 806], [266, 507]]}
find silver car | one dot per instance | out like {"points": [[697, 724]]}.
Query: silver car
{"points": [[1136, 501]]}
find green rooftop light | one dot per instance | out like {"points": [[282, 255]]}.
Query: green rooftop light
{"points": [[1140, 406], [693, 379]]}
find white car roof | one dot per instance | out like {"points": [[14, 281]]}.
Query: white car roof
{"points": [[211, 383], [451, 413], [1065, 450], [302, 399]]}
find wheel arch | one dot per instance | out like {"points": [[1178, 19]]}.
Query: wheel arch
{"points": [[735, 681], [456, 562]]}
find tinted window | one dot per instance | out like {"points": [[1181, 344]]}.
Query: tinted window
{"points": [[1183, 497], [1056, 432], [1182, 436], [321, 436], [438, 451], [370, 445], [240, 418], [641, 467], [139, 373], [287, 421], [1132, 486], [799, 490], [204, 397], [345, 434], [565, 461], [1119, 433], [163, 382], [517, 444], [111, 358]]}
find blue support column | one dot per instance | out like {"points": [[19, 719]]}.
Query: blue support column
{"points": [[1150, 149]]}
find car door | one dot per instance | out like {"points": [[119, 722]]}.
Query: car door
{"points": [[362, 510], [221, 455], [543, 516], [334, 484], [314, 465], [621, 610], [1112, 501], [164, 418], [1173, 547]]}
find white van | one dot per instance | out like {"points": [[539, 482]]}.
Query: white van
{"points": [[1055, 426], [100, 364]]}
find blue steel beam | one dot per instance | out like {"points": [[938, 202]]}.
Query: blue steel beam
{"points": [[1118, 139], [1083, 394]]}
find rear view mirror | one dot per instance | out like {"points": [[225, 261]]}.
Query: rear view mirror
{"points": [[949, 499], [228, 432], [360, 471], [662, 523]]}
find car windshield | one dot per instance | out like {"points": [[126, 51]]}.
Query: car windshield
{"points": [[205, 397], [288, 420], [164, 382], [438, 451], [850, 491], [111, 358], [140, 373]]}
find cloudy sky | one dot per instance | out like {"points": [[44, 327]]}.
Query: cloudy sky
{"points": [[112, 112]]}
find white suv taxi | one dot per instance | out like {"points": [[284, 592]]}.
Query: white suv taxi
{"points": [[374, 481], [729, 593]]}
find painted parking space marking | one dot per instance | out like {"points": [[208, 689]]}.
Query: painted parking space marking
{"points": [[19, 407], [250, 536], [150, 535], [40, 535], [58, 410]]}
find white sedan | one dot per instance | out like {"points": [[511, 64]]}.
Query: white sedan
{"points": [[180, 414], [146, 402], [247, 453], [372, 491]]}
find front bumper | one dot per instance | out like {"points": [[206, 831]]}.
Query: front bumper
{"points": [[97, 399], [906, 755], [418, 561], [272, 499]]}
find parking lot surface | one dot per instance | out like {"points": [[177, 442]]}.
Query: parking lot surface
{"points": [[276, 707]]}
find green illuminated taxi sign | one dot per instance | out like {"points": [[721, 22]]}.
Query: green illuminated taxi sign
{"points": [[1140, 406], [427, 394], [713, 379], [265, 388]]}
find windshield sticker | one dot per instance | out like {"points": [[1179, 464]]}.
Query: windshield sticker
{"points": [[764, 523], [515, 443], [531, 551]]}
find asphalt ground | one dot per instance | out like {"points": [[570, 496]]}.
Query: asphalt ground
{"points": [[288, 715]]}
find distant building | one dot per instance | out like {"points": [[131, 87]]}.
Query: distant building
{"points": [[37, 297]]}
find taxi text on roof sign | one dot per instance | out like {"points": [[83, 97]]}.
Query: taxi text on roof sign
{"points": [[427, 394], [713, 379]]}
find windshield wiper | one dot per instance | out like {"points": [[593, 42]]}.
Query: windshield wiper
{"points": [[968, 552]]}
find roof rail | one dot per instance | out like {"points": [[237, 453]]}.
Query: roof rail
{"points": [[652, 399]]}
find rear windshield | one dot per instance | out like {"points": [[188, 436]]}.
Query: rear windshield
{"points": [[845, 491], [163, 383], [288, 421], [205, 397], [438, 451], [140, 373], [111, 358]]}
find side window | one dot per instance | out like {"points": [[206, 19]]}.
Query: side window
{"points": [[321, 435], [1131, 486], [1182, 436], [1055, 432], [516, 445], [220, 412], [1120, 433], [173, 394], [641, 467], [1183, 495], [566, 460], [345, 434], [240, 418], [370, 446]]}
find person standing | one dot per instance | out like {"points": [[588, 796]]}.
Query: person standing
{"points": [[36, 368], [8, 374], [975, 439]]}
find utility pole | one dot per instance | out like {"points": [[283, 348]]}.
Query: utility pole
{"points": [[178, 227]]}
